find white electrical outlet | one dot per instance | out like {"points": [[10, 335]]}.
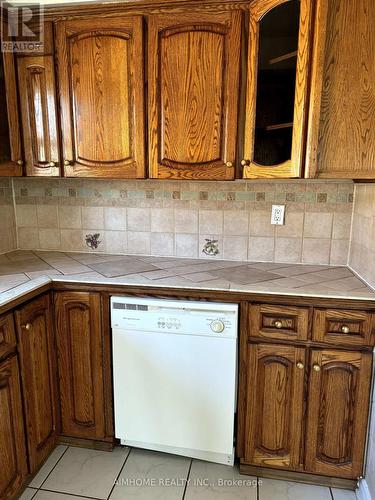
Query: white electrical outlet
{"points": [[278, 215]]}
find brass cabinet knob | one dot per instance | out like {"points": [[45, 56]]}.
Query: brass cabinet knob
{"points": [[300, 365], [67, 163], [229, 164], [345, 329], [278, 324], [52, 164], [27, 326], [316, 368], [245, 163], [20, 162]]}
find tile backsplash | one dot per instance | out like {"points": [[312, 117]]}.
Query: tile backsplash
{"points": [[8, 240], [362, 249], [175, 218]]}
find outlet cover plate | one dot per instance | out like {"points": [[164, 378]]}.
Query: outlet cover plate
{"points": [[278, 215]]}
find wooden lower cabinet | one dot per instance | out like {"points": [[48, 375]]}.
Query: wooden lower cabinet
{"points": [[80, 362], [339, 392], [274, 410], [13, 464], [308, 417], [38, 374]]}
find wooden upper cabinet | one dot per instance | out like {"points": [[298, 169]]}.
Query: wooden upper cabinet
{"points": [[193, 77], [339, 393], [274, 408], [341, 137], [80, 359], [13, 463], [39, 121], [38, 375], [11, 160], [100, 71], [277, 88]]}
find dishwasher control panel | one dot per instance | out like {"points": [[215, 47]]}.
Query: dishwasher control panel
{"points": [[183, 317]]}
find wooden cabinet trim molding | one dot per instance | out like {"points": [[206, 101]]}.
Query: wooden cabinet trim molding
{"points": [[8, 341], [294, 166]]}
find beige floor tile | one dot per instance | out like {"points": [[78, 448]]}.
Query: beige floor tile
{"points": [[55, 456], [273, 489], [339, 494], [50, 495], [86, 472], [165, 475], [208, 481], [28, 494]]}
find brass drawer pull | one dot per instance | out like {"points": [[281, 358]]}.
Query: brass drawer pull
{"points": [[345, 329], [316, 368], [278, 324], [300, 365], [27, 326]]}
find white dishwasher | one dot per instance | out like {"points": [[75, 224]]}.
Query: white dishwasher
{"points": [[174, 368]]}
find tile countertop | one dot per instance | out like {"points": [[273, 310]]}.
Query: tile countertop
{"points": [[24, 271]]}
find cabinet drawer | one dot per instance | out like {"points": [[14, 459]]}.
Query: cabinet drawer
{"points": [[335, 326], [7, 335], [279, 322]]}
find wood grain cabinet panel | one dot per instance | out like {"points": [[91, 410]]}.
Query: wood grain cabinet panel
{"points": [[39, 121], [279, 322], [38, 374], [193, 93], [341, 136], [11, 160], [274, 410], [8, 342], [13, 463], [339, 392], [100, 69], [343, 327], [80, 360]]}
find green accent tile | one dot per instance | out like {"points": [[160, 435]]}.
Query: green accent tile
{"points": [[270, 196], [310, 197], [212, 195], [189, 195], [158, 195], [136, 195], [245, 196], [279, 197], [221, 196]]}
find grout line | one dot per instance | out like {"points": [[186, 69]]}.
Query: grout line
{"points": [[187, 479], [119, 474], [71, 494], [53, 468]]}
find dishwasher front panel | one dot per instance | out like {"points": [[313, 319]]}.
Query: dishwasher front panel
{"points": [[175, 393]]}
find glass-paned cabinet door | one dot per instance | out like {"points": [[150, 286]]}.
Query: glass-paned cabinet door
{"points": [[278, 65]]}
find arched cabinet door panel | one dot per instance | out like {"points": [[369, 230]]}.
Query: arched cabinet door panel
{"points": [[39, 121], [193, 78], [339, 392], [100, 68], [80, 363], [36, 345], [280, 35], [274, 407]]}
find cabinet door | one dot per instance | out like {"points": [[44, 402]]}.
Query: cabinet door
{"points": [[341, 136], [193, 91], [277, 88], [39, 122], [274, 408], [13, 464], [38, 374], [339, 392], [10, 137], [80, 359], [100, 69]]}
